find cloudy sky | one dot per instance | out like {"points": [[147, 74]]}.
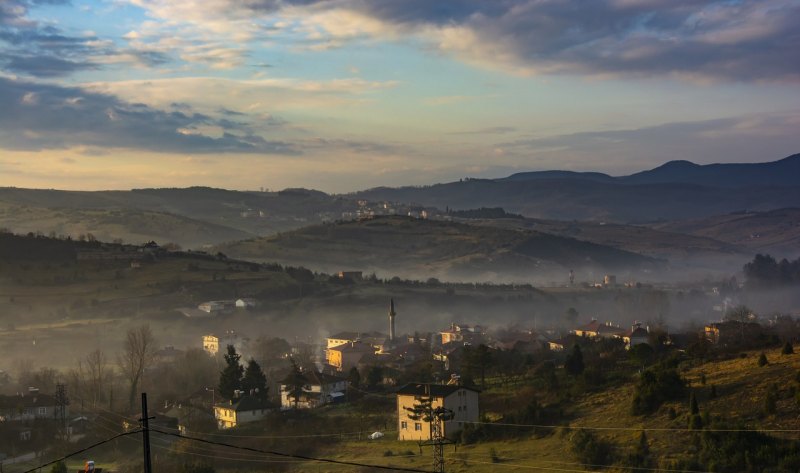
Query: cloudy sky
{"points": [[340, 95]]}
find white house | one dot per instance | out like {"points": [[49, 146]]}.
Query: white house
{"points": [[321, 389], [246, 303], [241, 410]]}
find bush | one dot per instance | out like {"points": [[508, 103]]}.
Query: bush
{"points": [[762, 359], [656, 386], [787, 349], [591, 450]]}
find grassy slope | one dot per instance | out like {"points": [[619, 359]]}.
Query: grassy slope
{"points": [[439, 248], [741, 386], [131, 225], [777, 231]]}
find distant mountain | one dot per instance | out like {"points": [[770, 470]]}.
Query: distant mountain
{"points": [[419, 249], [776, 231], [675, 191], [785, 172], [542, 175]]}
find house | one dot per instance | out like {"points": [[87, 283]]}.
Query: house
{"points": [[321, 389], [29, 406], [168, 354], [376, 339], [214, 307], [351, 275], [732, 332], [213, 343], [460, 400], [635, 336], [596, 329], [463, 333], [242, 409], [246, 303], [347, 355]]}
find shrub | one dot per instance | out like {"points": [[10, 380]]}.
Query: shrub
{"points": [[762, 359], [656, 386], [787, 349], [591, 450]]}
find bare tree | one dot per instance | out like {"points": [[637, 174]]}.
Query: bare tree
{"points": [[94, 373], [137, 355]]}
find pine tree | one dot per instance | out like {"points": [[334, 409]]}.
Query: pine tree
{"points": [[694, 409], [787, 349], [762, 359], [296, 383], [254, 380], [354, 377], [574, 361], [230, 379]]}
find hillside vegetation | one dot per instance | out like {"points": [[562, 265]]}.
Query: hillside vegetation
{"points": [[425, 248], [775, 231]]}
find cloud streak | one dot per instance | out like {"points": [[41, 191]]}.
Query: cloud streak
{"points": [[36, 116]]}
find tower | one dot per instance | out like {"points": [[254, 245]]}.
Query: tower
{"points": [[392, 313]]}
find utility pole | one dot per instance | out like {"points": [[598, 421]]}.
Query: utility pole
{"points": [[61, 411], [148, 467]]}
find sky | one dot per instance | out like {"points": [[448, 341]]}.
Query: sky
{"points": [[341, 95]]}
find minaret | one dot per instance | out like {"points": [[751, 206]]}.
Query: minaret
{"points": [[392, 313]]}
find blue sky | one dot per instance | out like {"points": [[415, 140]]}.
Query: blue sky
{"points": [[347, 94]]}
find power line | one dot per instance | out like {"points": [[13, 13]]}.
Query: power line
{"points": [[83, 450], [271, 437], [631, 429], [546, 468], [624, 467], [289, 455]]}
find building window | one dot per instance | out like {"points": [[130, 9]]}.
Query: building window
{"points": [[404, 425], [417, 426], [42, 411]]}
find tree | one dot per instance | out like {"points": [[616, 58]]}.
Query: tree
{"points": [[59, 467], [787, 349], [95, 372], [762, 359], [574, 362], [230, 379], [482, 357], [296, 383], [354, 377], [771, 400], [136, 357], [571, 315], [254, 380], [374, 376], [695, 421]]}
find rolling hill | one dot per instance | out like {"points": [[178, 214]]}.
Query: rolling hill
{"points": [[424, 248], [190, 217], [775, 231]]}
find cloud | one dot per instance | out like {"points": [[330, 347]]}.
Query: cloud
{"points": [[35, 49], [36, 116], [716, 40], [493, 130], [735, 139]]}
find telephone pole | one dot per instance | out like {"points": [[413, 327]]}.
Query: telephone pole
{"points": [[148, 467]]}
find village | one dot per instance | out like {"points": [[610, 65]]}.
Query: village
{"points": [[449, 368]]}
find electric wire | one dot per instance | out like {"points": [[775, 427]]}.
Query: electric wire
{"points": [[97, 444], [289, 455]]}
